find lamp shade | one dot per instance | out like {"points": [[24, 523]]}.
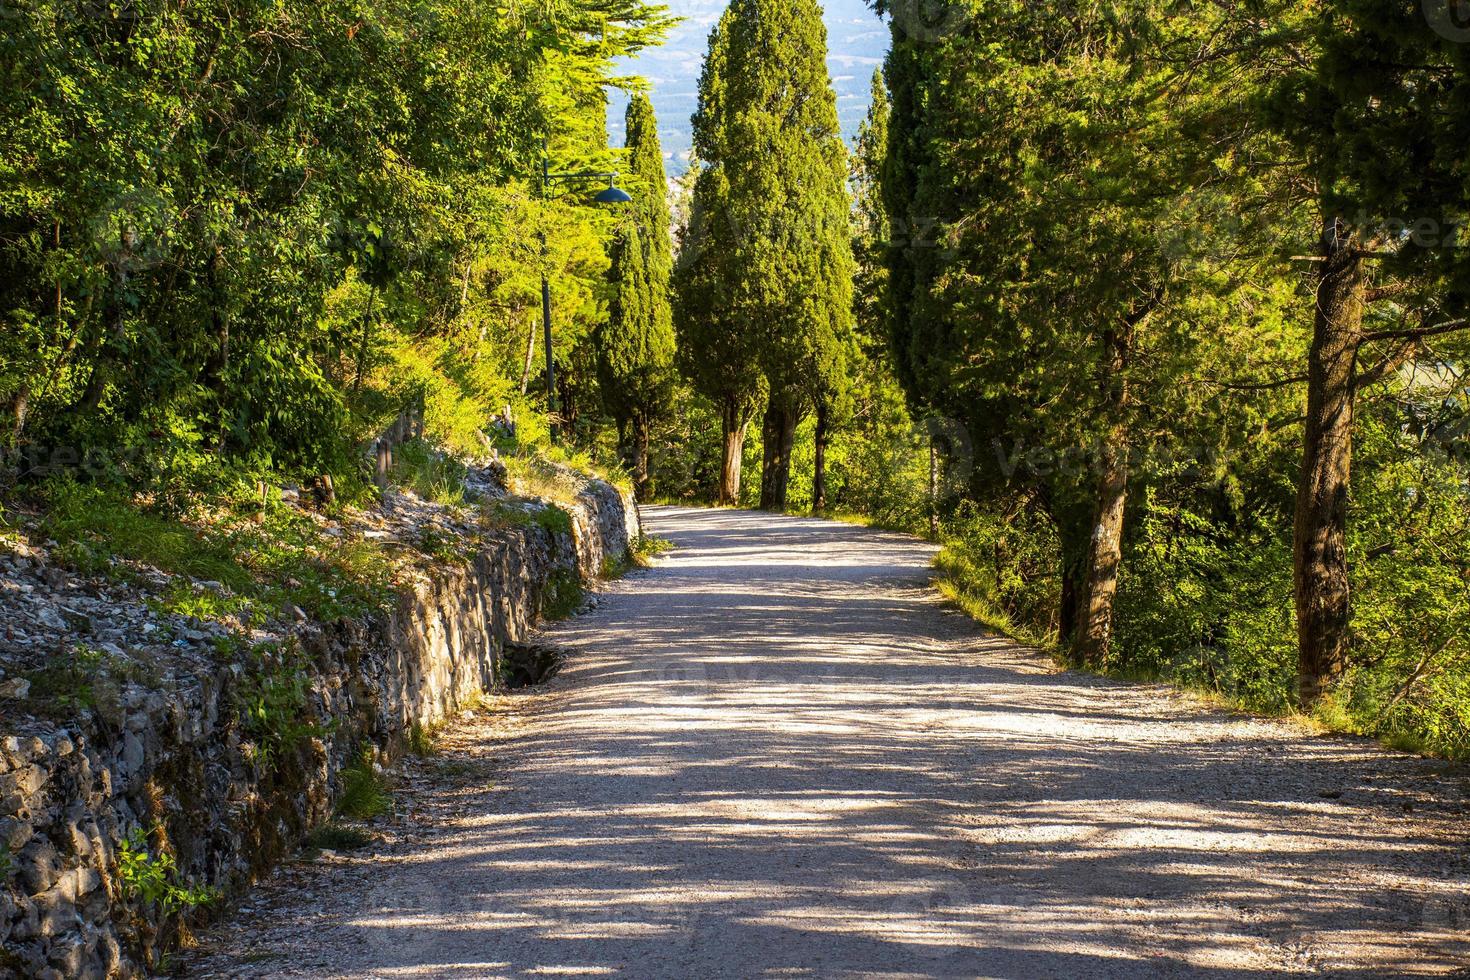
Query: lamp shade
{"points": [[613, 195]]}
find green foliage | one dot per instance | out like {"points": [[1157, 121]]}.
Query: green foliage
{"points": [[95, 526], [553, 520], [201, 603], [766, 267], [336, 837], [718, 348], [562, 595], [500, 514], [431, 474], [421, 740], [649, 547], [635, 346], [364, 789], [1084, 241], [266, 560], [211, 269], [998, 568], [272, 701], [686, 447], [154, 879]]}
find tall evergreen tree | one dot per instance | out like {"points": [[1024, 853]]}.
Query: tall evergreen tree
{"points": [[1059, 317], [635, 347], [1378, 114], [871, 228], [717, 346], [769, 138]]}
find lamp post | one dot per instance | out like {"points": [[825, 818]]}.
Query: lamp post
{"points": [[611, 195]]}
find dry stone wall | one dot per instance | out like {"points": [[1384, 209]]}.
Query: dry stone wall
{"points": [[165, 775]]}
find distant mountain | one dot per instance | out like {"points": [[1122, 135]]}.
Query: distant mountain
{"points": [[856, 40]]}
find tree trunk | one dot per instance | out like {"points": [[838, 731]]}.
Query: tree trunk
{"points": [[933, 488], [1320, 544], [1093, 630], [778, 435], [530, 353], [1067, 615], [819, 467], [1098, 579], [568, 410], [20, 405], [642, 483], [733, 425]]}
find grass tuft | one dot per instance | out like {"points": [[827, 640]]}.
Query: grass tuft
{"points": [[422, 740], [364, 790], [337, 837], [429, 473]]}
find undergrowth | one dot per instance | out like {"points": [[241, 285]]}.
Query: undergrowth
{"points": [[257, 560], [640, 555], [338, 837], [975, 589], [155, 880], [364, 789], [422, 739], [431, 474], [563, 595]]}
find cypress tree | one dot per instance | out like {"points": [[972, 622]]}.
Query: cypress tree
{"points": [[773, 200], [635, 347], [1378, 116], [1061, 313], [717, 345]]}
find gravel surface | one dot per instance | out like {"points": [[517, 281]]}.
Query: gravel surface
{"points": [[778, 755]]}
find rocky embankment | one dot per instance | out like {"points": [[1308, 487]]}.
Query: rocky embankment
{"points": [[153, 763]]}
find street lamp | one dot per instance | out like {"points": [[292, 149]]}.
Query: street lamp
{"points": [[612, 194]]}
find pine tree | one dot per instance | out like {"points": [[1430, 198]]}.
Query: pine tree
{"points": [[635, 347]]}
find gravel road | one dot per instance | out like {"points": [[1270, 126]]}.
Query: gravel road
{"points": [[778, 755]]}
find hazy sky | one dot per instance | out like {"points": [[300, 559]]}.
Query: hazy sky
{"points": [[856, 42]]}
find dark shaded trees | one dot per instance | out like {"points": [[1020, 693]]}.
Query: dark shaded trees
{"points": [[1038, 291], [1377, 114]]}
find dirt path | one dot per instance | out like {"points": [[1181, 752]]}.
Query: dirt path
{"points": [[776, 755]]}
